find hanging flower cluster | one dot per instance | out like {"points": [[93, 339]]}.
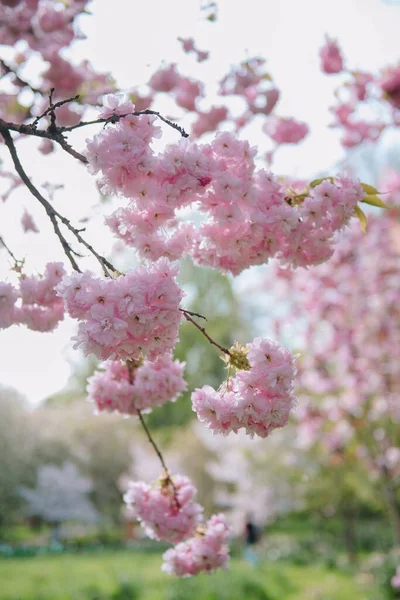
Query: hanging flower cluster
{"points": [[258, 398]]}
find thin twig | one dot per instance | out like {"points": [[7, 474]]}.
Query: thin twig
{"points": [[24, 129], [51, 108], [51, 212], [160, 456], [20, 82], [131, 365], [193, 314], [116, 118], [18, 264], [204, 332]]}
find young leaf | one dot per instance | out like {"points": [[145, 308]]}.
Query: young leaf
{"points": [[316, 182], [374, 200], [369, 189], [362, 217]]}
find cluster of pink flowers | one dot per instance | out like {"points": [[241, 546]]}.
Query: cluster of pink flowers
{"points": [[331, 57], [166, 509], [204, 552], [133, 315], [285, 131], [45, 27], [359, 94], [209, 120], [250, 81], [349, 373], [258, 398], [35, 303], [150, 384], [185, 90], [250, 216], [189, 46]]}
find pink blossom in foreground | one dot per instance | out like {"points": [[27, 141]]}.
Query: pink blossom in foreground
{"points": [[331, 57], [205, 552], [258, 398], [249, 216], [166, 509], [153, 384], [134, 315]]}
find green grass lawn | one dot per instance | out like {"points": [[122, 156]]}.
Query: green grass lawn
{"points": [[95, 576]]}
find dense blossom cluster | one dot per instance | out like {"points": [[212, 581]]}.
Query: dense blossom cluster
{"points": [[44, 27], [353, 342], [245, 216], [206, 551], [35, 302], [258, 398], [133, 315], [166, 509], [151, 384], [359, 92], [249, 216]]}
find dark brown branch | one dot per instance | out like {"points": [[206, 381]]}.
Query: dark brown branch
{"points": [[160, 456], [132, 365], [204, 332], [51, 212], [19, 81], [116, 118], [51, 108], [193, 314], [24, 129]]}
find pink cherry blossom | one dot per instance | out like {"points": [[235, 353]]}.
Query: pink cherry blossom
{"points": [[258, 398], [205, 552], [331, 57], [134, 315], [285, 131], [153, 384], [166, 509], [28, 224]]}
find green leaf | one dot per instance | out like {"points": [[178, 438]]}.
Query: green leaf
{"points": [[316, 182], [362, 218], [369, 189], [374, 200]]}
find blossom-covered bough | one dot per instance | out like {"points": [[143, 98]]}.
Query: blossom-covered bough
{"points": [[245, 216]]}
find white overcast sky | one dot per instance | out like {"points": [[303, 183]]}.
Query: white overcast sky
{"points": [[129, 39]]}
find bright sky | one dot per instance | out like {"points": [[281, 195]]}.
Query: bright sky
{"points": [[130, 39]]}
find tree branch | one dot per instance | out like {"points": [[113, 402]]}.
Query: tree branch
{"points": [[57, 137], [131, 367], [187, 316], [18, 264], [20, 82], [116, 118], [51, 212]]}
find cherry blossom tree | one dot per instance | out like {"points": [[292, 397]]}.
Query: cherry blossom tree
{"points": [[349, 372], [61, 494], [208, 201]]}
